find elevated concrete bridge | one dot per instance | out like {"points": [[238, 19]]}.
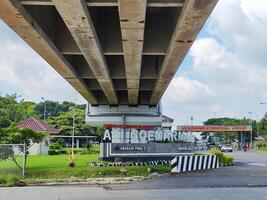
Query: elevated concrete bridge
{"points": [[113, 52]]}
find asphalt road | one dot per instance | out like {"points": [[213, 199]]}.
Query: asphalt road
{"points": [[250, 158], [249, 170], [97, 193], [246, 180]]}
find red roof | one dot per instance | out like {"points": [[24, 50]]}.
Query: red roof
{"points": [[36, 125]]}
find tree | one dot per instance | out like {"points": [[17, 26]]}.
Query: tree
{"points": [[13, 111], [263, 126], [4, 122], [64, 123], [14, 135], [230, 136], [54, 108]]}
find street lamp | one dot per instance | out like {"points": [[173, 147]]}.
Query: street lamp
{"points": [[251, 130], [73, 132], [44, 107], [256, 121]]}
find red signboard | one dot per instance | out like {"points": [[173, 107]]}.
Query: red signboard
{"points": [[129, 126], [214, 128]]}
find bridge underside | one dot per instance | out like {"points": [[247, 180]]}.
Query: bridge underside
{"points": [[113, 52]]}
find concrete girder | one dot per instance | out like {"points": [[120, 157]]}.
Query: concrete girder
{"points": [[18, 19], [99, 3], [78, 20], [193, 17], [132, 20]]}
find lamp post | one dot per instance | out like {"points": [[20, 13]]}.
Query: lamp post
{"points": [[251, 132], [257, 120], [250, 116], [44, 108], [73, 132]]}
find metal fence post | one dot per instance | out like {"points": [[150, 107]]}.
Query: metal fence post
{"points": [[24, 160]]}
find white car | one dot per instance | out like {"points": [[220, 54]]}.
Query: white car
{"points": [[226, 148]]}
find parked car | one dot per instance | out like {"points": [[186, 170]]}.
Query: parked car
{"points": [[211, 145], [226, 148]]}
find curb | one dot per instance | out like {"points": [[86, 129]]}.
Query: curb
{"points": [[88, 181]]}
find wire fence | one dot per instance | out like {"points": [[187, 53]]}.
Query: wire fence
{"points": [[12, 159]]}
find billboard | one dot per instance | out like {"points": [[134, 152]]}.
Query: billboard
{"points": [[142, 141], [241, 128]]}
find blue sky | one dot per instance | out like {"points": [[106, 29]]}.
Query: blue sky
{"points": [[222, 75]]}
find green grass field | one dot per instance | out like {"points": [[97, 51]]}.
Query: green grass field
{"points": [[56, 167]]}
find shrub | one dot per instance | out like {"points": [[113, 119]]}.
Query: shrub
{"points": [[54, 146], [261, 145], [11, 180], [2, 179], [229, 159], [53, 152], [217, 152], [85, 151], [63, 151], [226, 160]]}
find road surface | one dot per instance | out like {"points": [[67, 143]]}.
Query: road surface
{"points": [[97, 193], [246, 180], [249, 170]]}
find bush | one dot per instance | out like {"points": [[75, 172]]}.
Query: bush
{"points": [[217, 152], [92, 150], [56, 150], [63, 151], [224, 160], [11, 180], [53, 152], [54, 146], [85, 151], [2, 179], [261, 145]]}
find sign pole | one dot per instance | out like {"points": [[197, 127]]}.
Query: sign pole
{"points": [[251, 145], [24, 160]]}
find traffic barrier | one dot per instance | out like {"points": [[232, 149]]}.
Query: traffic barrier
{"points": [[194, 163]]}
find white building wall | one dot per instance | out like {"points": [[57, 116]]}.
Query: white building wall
{"points": [[40, 148]]}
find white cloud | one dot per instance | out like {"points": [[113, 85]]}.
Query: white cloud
{"points": [[22, 68], [231, 62], [184, 91], [227, 76]]}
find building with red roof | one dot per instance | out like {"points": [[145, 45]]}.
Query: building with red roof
{"points": [[38, 126]]}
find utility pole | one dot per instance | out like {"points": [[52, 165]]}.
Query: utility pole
{"points": [[73, 127], [257, 126], [73, 131], [250, 116]]}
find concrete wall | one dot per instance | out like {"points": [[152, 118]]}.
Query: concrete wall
{"points": [[40, 148]]}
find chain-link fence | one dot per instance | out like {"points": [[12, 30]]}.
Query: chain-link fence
{"points": [[12, 158]]}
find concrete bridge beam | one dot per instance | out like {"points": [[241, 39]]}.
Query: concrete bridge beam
{"points": [[18, 19]]}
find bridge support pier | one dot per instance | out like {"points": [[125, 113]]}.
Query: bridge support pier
{"points": [[124, 114]]}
